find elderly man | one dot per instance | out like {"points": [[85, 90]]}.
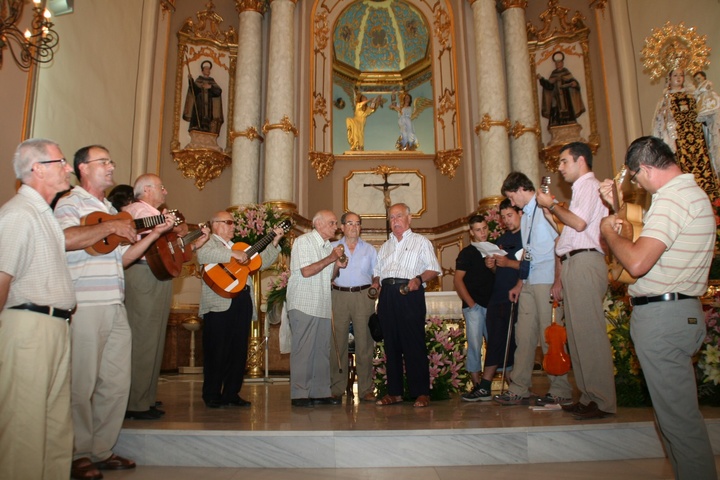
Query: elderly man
{"points": [[309, 306], [227, 319], [36, 301], [101, 337], [671, 260], [147, 301], [351, 303], [406, 261]]}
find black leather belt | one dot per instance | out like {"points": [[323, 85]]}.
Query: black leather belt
{"points": [[351, 289], [572, 253], [667, 297], [395, 281], [52, 311]]}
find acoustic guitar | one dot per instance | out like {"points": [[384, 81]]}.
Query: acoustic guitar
{"points": [[228, 279], [632, 217], [110, 243], [168, 253]]}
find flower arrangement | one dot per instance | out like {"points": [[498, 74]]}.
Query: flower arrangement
{"points": [[277, 290], [255, 221], [446, 355], [495, 225], [630, 384], [708, 366]]}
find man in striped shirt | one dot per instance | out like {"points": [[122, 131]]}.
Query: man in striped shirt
{"points": [[671, 260]]}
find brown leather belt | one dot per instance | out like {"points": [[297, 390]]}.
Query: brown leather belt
{"points": [[572, 253], [351, 289]]}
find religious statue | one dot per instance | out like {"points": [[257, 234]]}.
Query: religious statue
{"points": [[407, 112], [676, 123], [203, 102], [356, 124], [708, 107], [562, 103]]}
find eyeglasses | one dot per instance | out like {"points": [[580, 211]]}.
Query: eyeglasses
{"points": [[633, 180], [105, 161], [226, 222], [61, 161], [161, 187]]}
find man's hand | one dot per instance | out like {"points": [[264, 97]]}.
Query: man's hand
{"points": [[239, 255], [606, 191], [124, 228], [514, 292]]}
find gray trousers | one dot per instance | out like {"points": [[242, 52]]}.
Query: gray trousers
{"points": [[310, 356]]}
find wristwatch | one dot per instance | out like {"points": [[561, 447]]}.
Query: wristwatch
{"points": [[419, 277]]}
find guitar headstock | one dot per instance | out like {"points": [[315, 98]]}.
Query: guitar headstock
{"points": [[286, 225], [179, 217], [617, 189]]}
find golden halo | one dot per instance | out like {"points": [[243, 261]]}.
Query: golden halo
{"points": [[674, 46]]}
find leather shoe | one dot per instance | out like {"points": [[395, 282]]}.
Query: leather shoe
{"points": [[143, 415], [84, 469], [301, 402], [573, 407], [369, 397], [240, 402], [215, 404], [590, 412], [115, 462], [157, 411], [327, 401]]}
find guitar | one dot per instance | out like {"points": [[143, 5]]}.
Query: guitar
{"points": [[228, 279], [632, 217], [110, 243], [556, 361], [168, 253]]}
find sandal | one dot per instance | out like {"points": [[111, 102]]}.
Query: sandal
{"points": [[422, 401], [389, 400]]}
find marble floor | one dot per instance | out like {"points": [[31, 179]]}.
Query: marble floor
{"points": [[452, 423]]}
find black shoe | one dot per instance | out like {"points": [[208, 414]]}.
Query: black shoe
{"points": [[590, 412], [240, 402], [301, 402], [215, 404], [327, 401], [144, 415], [157, 411], [158, 404]]}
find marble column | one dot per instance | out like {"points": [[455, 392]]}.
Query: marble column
{"points": [[521, 91], [279, 127], [246, 116], [493, 124]]}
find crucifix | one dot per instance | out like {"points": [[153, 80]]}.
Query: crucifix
{"points": [[386, 187]]}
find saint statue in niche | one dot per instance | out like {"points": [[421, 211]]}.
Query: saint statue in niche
{"points": [[562, 103], [203, 102]]}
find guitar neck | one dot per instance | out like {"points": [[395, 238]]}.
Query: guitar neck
{"points": [[260, 244], [149, 222], [190, 237]]}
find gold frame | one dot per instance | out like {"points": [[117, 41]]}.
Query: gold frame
{"points": [[203, 156], [571, 37], [376, 176]]}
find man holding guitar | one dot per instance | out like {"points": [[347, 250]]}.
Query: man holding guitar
{"points": [[147, 301], [227, 319], [582, 283], [671, 260], [101, 337]]}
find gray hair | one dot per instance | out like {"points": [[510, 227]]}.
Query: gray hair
{"points": [[29, 153], [143, 181]]}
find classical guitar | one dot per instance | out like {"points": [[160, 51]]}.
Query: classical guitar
{"points": [[228, 279], [556, 361], [632, 217], [167, 255], [110, 243]]}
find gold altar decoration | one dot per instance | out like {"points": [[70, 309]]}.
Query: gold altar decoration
{"points": [[201, 165], [285, 125], [448, 161], [322, 162], [674, 46], [487, 122], [518, 130], [250, 133], [259, 6]]}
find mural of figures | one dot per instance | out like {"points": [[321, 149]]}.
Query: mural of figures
{"points": [[203, 102], [562, 103], [675, 122]]}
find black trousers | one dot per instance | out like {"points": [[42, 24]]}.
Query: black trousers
{"points": [[225, 349]]}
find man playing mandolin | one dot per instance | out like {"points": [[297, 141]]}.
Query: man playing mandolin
{"points": [[226, 329]]}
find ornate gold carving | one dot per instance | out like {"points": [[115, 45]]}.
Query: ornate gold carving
{"points": [[167, 6], [555, 23], [250, 133], [447, 161], [259, 6], [487, 203], [486, 123], [322, 162], [285, 125], [320, 106], [208, 26], [446, 104], [674, 46], [322, 32], [443, 28], [202, 165], [599, 5], [508, 4], [518, 129]]}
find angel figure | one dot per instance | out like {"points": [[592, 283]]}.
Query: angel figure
{"points": [[406, 114], [356, 124]]}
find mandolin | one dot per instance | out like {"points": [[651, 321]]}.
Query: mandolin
{"points": [[110, 243], [556, 361], [228, 279], [168, 253], [632, 217]]}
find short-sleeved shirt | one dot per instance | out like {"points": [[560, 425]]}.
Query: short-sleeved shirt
{"points": [[33, 253], [98, 279], [505, 277], [310, 295], [361, 263], [682, 218], [478, 279], [407, 257]]}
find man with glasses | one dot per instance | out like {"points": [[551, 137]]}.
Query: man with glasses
{"points": [[101, 337], [351, 303], [309, 307], [147, 301], [226, 328], [36, 302], [671, 260]]}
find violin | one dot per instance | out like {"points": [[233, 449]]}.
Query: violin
{"points": [[556, 360]]}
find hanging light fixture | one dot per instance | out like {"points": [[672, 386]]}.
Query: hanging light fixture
{"points": [[33, 46]]}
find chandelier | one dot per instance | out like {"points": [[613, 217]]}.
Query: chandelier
{"points": [[33, 46]]}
